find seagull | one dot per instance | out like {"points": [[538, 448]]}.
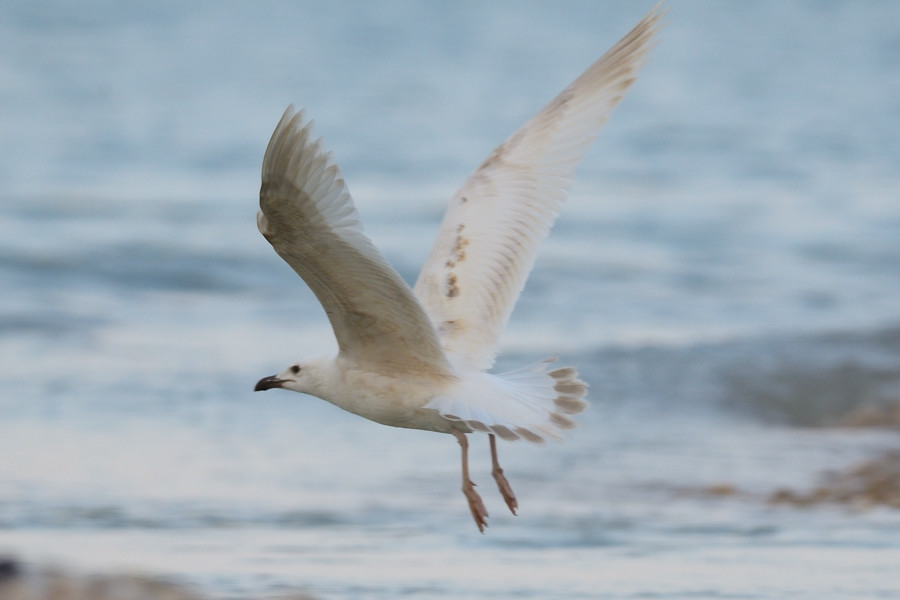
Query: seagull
{"points": [[419, 357]]}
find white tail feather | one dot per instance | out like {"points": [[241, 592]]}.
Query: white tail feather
{"points": [[529, 403]]}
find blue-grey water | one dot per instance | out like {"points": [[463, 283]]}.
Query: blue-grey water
{"points": [[726, 276]]}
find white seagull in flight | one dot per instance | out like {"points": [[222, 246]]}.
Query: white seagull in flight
{"points": [[417, 357]]}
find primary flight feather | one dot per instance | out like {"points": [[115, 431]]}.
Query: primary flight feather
{"points": [[417, 358]]}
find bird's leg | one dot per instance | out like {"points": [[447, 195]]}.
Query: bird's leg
{"points": [[479, 512], [502, 483]]}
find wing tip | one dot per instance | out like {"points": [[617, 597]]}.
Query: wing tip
{"points": [[290, 140], [633, 50]]}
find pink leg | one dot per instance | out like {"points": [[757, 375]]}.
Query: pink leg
{"points": [[479, 512], [502, 483]]}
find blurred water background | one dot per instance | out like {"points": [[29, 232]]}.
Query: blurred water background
{"points": [[726, 276]]}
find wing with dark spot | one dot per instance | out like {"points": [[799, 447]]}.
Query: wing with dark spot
{"points": [[492, 229]]}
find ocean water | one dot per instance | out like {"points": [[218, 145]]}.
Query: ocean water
{"points": [[725, 275]]}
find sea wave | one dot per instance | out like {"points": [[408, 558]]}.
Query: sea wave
{"points": [[802, 380]]}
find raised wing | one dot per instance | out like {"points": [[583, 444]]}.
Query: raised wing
{"points": [[488, 240], [307, 215]]}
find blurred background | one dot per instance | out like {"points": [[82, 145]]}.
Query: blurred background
{"points": [[725, 275]]}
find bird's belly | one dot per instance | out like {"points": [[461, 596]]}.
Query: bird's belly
{"points": [[397, 403]]}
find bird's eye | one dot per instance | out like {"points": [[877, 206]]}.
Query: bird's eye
{"points": [[295, 369]]}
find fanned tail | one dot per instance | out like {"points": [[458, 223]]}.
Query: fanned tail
{"points": [[529, 403]]}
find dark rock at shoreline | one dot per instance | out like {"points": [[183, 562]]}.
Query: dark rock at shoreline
{"points": [[875, 482], [19, 581]]}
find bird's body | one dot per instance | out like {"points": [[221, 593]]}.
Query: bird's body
{"points": [[394, 400], [418, 357], [466, 401]]}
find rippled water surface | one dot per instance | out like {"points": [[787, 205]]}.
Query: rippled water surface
{"points": [[725, 276]]}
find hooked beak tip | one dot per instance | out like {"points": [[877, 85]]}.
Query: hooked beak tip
{"points": [[267, 383]]}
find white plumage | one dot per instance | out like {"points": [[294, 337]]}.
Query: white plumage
{"points": [[417, 358]]}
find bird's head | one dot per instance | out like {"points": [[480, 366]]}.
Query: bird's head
{"points": [[292, 378]]}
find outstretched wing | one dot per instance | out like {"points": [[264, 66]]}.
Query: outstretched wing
{"points": [[490, 234], [307, 215]]}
